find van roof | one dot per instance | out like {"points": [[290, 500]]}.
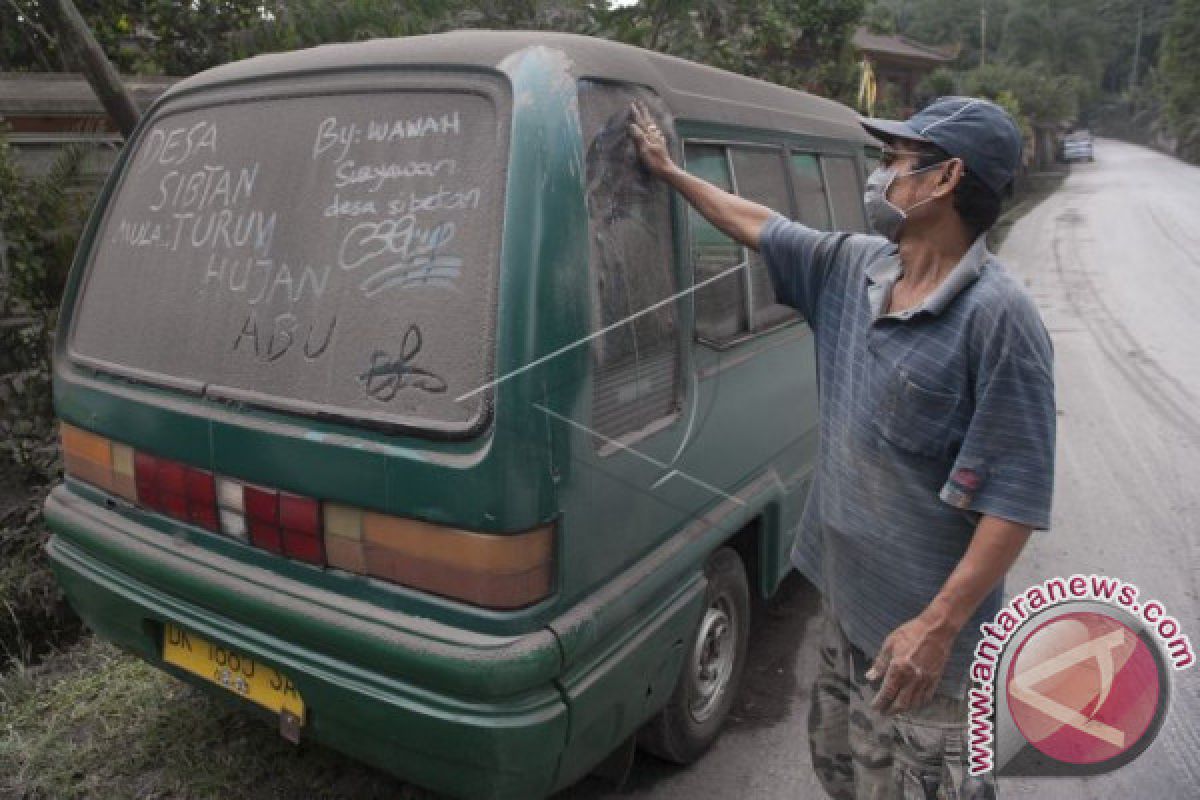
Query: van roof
{"points": [[692, 91]]}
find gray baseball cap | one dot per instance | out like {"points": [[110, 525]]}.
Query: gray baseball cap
{"points": [[978, 131]]}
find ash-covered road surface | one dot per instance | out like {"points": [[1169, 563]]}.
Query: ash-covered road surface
{"points": [[1113, 260]]}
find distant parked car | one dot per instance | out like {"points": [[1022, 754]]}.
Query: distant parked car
{"points": [[1077, 146]]}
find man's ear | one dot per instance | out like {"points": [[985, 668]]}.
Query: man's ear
{"points": [[949, 177]]}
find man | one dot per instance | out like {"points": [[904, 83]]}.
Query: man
{"points": [[936, 437]]}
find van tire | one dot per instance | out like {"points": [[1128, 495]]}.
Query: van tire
{"points": [[692, 718]]}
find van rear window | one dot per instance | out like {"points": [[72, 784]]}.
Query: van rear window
{"points": [[333, 254]]}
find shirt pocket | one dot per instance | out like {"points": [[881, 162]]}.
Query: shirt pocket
{"points": [[914, 417]]}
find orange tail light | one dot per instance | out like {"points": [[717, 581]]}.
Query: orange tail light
{"points": [[502, 571], [99, 461]]}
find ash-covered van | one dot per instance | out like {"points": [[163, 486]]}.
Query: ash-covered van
{"points": [[390, 403]]}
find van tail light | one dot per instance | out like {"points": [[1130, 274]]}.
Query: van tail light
{"points": [[300, 522], [172, 487], [159, 484], [262, 518], [231, 508], [99, 461], [146, 471], [344, 538], [283, 523], [201, 498], [175, 489], [501, 571]]}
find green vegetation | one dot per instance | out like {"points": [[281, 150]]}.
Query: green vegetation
{"points": [[801, 44], [794, 42], [140, 36], [34, 615], [1104, 64], [40, 221], [1179, 77], [1101, 59]]}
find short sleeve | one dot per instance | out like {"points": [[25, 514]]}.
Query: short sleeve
{"points": [[798, 259], [1005, 466]]}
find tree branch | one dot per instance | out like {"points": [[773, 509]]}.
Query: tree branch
{"points": [[76, 38]]}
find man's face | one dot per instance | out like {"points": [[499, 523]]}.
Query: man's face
{"points": [[908, 190]]}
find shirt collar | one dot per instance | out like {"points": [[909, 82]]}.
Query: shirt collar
{"points": [[884, 272]]}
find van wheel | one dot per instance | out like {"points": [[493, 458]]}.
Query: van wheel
{"points": [[712, 672]]}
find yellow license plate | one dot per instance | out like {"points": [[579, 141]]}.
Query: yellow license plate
{"points": [[236, 672]]}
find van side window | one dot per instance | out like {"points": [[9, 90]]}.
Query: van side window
{"points": [[721, 305], [759, 174], [636, 378], [845, 193], [808, 181]]}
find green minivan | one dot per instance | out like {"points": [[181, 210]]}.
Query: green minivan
{"points": [[401, 406]]}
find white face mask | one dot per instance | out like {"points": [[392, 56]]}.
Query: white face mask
{"points": [[885, 217]]}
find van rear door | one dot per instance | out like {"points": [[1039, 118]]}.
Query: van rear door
{"points": [[325, 247]]}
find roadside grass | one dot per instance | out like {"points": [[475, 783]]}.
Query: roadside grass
{"points": [[93, 722], [34, 615]]}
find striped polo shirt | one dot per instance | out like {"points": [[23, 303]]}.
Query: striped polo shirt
{"points": [[929, 418]]}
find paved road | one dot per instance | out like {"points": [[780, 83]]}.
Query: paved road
{"points": [[1113, 260]]}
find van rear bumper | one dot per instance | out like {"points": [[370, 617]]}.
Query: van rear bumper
{"points": [[467, 746]]}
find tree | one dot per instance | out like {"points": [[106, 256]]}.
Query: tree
{"points": [[941, 22], [1106, 51], [1062, 38], [85, 53], [1044, 98], [939, 83], [306, 23], [40, 221], [800, 43], [1179, 79], [138, 36]]}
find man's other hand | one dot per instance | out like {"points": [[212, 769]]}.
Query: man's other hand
{"points": [[911, 662]]}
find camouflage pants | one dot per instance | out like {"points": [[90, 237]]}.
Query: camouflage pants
{"points": [[860, 754]]}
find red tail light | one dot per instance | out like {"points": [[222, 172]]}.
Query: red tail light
{"points": [[172, 478], [145, 475], [266, 536], [300, 519], [262, 504], [202, 498], [172, 488], [175, 489], [262, 517], [303, 547]]}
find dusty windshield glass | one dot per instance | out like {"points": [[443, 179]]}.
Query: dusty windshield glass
{"points": [[331, 253]]}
